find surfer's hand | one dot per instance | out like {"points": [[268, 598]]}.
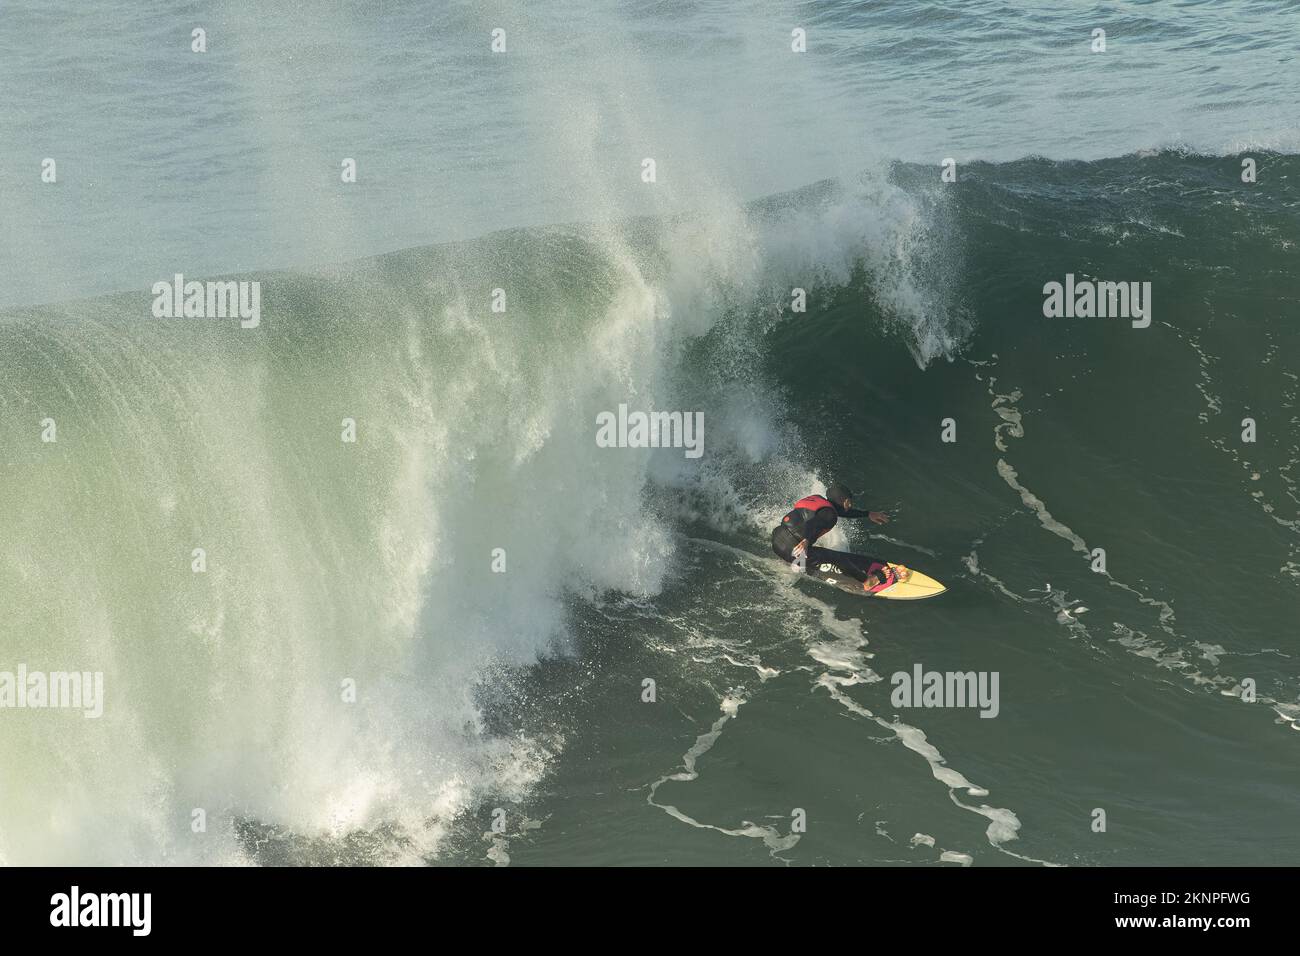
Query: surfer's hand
{"points": [[800, 549], [879, 517]]}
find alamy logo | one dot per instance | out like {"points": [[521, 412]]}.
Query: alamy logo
{"points": [[923, 688], [1087, 299], [103, 909], [179, 299], [651, 430], [74, 690]]}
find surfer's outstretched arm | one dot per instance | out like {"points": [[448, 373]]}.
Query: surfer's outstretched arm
{"points": [[877, 517], [841, 498]]}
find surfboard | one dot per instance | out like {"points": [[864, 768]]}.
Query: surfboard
{"points": [[917, 586]]}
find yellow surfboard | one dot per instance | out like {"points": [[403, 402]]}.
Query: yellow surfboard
{"points": [[911, 586], [916, 587]]}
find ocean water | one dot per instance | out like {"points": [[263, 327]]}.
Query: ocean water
{"points": [[500, 716]]}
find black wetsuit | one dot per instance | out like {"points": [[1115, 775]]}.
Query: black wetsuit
{"points": [[806, 523]]}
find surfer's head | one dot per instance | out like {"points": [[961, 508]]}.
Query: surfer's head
{"points": [[840, 496]]}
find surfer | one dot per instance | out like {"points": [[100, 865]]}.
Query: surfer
{"points": [[810, 518]]}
